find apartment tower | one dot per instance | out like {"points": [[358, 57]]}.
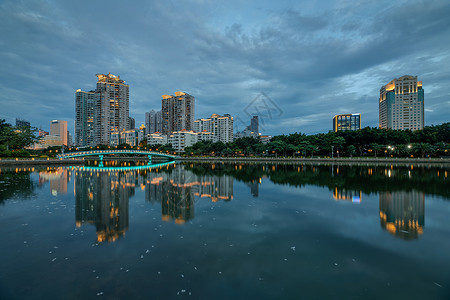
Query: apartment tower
{"points": [[177, 112], [401, 104], [111, 110], [84, 118]]}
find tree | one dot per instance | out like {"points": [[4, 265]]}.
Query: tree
{"points": [[351, 150], [276, 146], [305, 147], [338, 142], [375, 148], [16, 138]]}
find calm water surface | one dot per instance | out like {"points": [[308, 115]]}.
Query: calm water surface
{"points": [[225, 231]]}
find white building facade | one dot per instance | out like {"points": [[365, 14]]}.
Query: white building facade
{"points": [[401, 104]]}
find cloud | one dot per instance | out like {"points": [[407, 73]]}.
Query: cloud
{"points": [[314, 59]]}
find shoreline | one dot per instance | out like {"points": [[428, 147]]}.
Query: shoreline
{"points": [[39, 162], [346, 160], [315, 160]]}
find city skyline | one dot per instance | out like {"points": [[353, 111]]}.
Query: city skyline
{"points": [[228, 59]]}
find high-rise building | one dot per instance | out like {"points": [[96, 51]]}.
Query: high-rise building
{"points": [[84, 118], [58, 128], [111, 110], [401, 104], [251, 130], [347, 122], [22, 123], [153, 121], [69, 139], [178, 112], [131, 123], [220, 126], [254, 125]]}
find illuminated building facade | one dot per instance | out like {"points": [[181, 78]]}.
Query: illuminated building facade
{"points": [[84, 118], [129, 137], [401, 104], [156, 139], [111, 109], [177, 112], [347, 122], [58, 128], [182, 139], [220, 126], [403, 213]]}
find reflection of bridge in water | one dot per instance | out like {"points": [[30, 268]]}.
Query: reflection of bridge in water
{"points": [[102, 153]]}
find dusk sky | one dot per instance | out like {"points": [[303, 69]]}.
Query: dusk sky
{"points": [[306, 60]]}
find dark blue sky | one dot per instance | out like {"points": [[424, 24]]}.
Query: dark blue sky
{"points": [[312, 59]]}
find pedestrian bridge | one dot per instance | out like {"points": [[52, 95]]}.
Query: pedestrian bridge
{"points": [[102, 153]]}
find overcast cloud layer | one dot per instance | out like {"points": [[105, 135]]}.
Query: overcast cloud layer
{"points": [[306, 60]]}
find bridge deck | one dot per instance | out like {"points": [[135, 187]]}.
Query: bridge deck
{"points": [[110, 152]]}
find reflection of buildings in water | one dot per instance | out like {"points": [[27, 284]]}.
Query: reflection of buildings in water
{"points": [[58, 180], [254, 187], [176, 191], [215, 187], [102, 199], [403, 213], [340, 193]]}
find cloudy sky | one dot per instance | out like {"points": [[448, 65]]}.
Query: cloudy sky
{"points": [[296, 63]]}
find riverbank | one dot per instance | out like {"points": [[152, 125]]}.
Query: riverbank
{"points": [[342, 160], [39, 162], [290, 160]]}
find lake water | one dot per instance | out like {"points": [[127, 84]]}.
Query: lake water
{"points": [[225, 231]]}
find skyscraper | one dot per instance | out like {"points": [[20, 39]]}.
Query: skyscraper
{"points": [[153, 121], [59, 128], [346, 122], [84, 118], [401, 104], [178, 112], [254, 125], [131, 123], [111, 110]]}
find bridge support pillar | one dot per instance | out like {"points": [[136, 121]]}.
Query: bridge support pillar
{"points": [[149, 159], [101, 160]]}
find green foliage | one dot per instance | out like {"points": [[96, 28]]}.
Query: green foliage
{"points": [[15, 138], [432, 140]]}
